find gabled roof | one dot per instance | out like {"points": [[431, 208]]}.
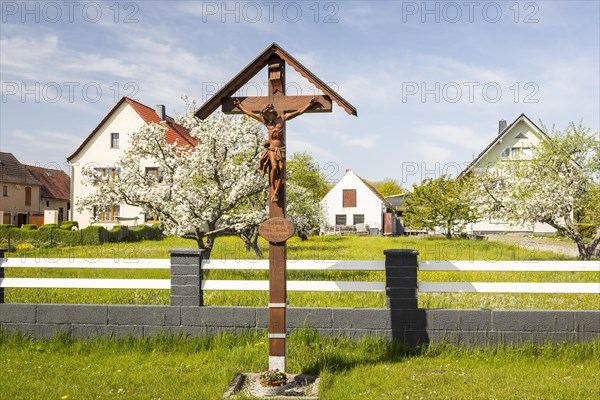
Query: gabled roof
{"points": [[255, 67], [369, 186], [12, 171], [175, 132], [56, 184], [501, 136]]}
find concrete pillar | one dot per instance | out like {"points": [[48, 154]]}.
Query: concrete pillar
{"points": [[186, 277], [401, 279]]}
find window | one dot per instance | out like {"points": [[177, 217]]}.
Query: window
{"points": [[47, 203], [104, 172], [340, 220], [349, 198], [522, 153], [5, 191], [517, 153], [61, 213], [358, 219], [155, 172], [114, 140], [108, 215], [27, 196]]}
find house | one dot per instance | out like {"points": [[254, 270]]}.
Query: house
{"points": [[105, 146], [514, 142], [19, 203], [55, 193], [354, 203]]}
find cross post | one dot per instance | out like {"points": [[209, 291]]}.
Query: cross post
{"points": [[273, 110]]}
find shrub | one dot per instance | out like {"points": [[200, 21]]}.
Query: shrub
{"points": [[29, 226], [4, 229], [145, 232], [94, 235], [587, 230], [49, 226], [68, 225], [118, 233]]}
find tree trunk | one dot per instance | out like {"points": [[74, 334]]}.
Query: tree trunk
{"points": [[570, 230], [251, 242], [448, 231]]}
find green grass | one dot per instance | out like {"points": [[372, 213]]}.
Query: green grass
{"points": [[317, 248], [202, 368]]}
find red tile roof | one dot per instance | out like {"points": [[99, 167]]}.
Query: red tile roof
{"points": [[56, 184], [175, 132]]}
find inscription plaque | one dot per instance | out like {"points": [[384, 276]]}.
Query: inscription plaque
{"points": [[276, 230]]}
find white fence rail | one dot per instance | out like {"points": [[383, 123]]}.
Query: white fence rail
{"points": [[323, 286]]}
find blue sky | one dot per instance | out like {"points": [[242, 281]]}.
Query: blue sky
{"points": [[430, 80]]}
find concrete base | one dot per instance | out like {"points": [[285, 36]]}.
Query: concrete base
{"points": [[298, 387]]}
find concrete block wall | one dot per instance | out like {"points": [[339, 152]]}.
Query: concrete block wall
{"points": [[465, 327]]}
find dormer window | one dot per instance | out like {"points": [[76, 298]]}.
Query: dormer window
{"points": [[114, 140]]}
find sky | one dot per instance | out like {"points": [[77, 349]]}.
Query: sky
{"points": [[430, 80]]}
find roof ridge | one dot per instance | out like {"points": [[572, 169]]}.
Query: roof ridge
{"points": [[371, 187]]}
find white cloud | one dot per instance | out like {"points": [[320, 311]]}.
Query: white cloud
{"points": [[363, 141], [460, 136]]}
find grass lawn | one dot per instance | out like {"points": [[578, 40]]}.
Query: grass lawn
{"points": [[317, 248], [201, 368]]}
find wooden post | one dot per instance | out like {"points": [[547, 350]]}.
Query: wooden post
{"points": [[277, 251]]}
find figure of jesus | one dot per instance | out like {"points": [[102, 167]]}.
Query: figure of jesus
{"points": [[273, 157]]}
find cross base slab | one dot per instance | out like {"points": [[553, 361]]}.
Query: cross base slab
{"points": [[277, 362]]}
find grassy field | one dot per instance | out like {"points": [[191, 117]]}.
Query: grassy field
{"points": [[317, 248], [177, 368]]}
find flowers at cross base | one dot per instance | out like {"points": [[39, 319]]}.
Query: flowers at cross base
{"points": [[272, 377]]}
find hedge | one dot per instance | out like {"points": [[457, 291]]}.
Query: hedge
{"points": [[50, 236], [90, 235], [68, 225], [49, 226], [29, 226]]}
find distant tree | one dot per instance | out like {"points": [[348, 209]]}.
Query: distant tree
{"points": [[303, 171], [441, 203], [388, 187], [560, 186]]}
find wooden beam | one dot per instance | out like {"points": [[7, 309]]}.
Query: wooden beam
{"points": [[281, 103], [256, 66]]}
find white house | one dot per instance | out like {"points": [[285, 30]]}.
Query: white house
{"points": [[513, 142], [353, 201], [105, 146]]}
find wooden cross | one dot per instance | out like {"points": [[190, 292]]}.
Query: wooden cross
{"points": [[276, 229]]}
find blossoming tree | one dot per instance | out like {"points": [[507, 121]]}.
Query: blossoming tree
{"points": [[204, 190], [560, 186]]}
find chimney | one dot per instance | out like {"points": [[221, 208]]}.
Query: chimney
{"points": [[160, 110], [501, 125]]}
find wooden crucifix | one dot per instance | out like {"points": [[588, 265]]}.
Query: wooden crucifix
{"points": [[273, 111]]}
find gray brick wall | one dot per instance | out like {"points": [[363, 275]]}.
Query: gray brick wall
{"points": [[465, 327]]}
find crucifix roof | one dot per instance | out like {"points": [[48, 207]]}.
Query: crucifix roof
{"points": [[255, 67]]}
